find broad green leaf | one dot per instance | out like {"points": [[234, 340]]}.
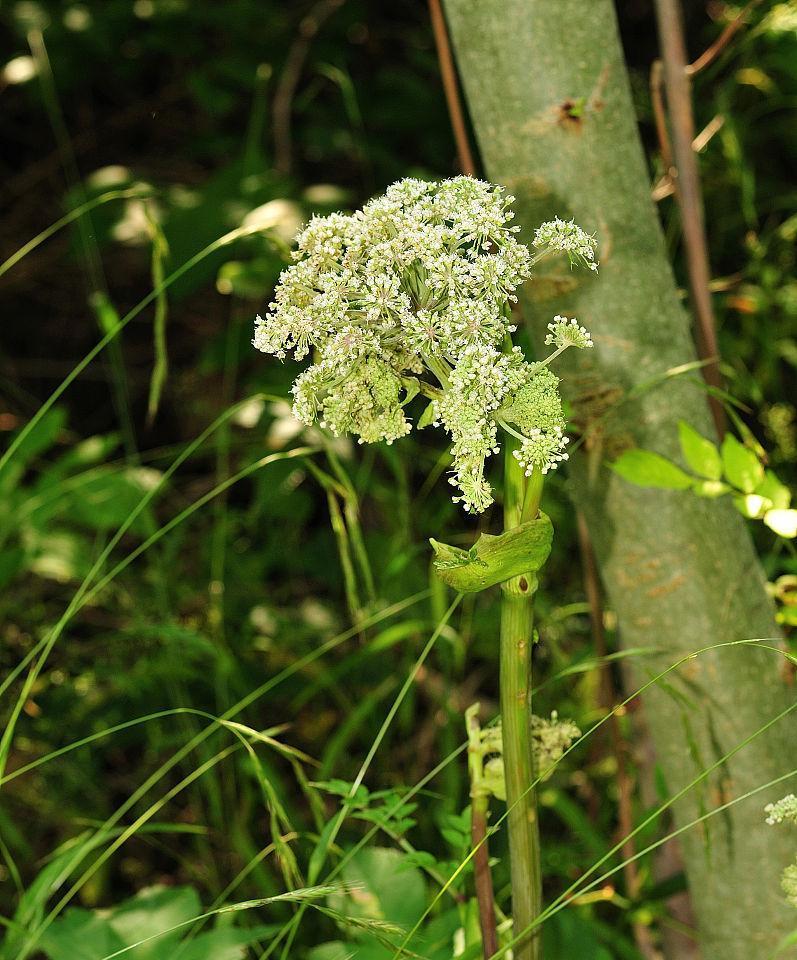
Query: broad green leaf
{"points": [[109, 496], [783, 522], [227, 943], [701, 454], [384, 888], [41, 438], [521, 550], [742, 467], [58, 554], [438, 935], [92, 450], [648, 469], [153, 911], [81, 935], [334, 950], [775, 491]]}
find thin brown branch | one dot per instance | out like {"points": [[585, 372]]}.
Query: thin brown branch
{"points": [[483, 879], [660, 116], [448, 75], [688, 192], [708, 132], [711, 53], [479, 811], [665, 187]]}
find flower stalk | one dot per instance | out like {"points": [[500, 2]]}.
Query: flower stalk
{"points": [[521, 502]]}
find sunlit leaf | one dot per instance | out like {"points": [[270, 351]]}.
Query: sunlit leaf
{"points": [[742, 467], [382, 887], [775, 491], [648, 469], [701, 454]]}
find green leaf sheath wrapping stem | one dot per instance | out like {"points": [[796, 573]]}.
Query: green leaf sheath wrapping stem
{"points": [[494, 559]]}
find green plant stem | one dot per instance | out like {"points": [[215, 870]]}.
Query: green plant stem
{"points": [[517, 618]]}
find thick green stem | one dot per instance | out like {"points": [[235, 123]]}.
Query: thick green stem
{"points": [[517, 619]]}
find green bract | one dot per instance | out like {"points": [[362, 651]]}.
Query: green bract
{"points": [[414, 293], [494, 559]]}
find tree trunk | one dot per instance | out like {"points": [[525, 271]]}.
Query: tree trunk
{"points": [[550, 102]]}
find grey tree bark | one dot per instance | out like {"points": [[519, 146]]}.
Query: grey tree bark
{"points": [[550, 101]]}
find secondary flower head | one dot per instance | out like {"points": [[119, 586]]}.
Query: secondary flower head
{"points": [[563, 333], [565, 236], [542, 450], [411, 294], [785, 809]]}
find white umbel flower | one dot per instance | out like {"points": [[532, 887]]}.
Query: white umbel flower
{"points": [[414, 293], [785, 809], [565, 236], [542, 450], [564, 333]]}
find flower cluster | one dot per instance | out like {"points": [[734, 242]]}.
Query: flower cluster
{"points": [[550, 740], [414, 293], [565, 236], [564, 333], [779, 812], [785, 809]]}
